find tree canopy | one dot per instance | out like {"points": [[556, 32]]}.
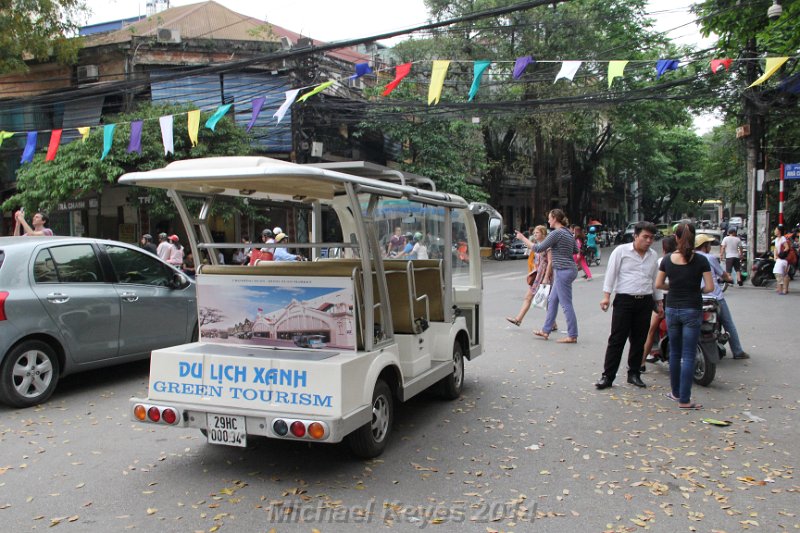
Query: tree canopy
{"points": [[38, 30]]}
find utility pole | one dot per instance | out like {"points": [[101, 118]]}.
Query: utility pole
{"points": [[752, 146]]}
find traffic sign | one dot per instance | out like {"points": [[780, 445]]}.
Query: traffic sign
{"points": [[791, 171]]}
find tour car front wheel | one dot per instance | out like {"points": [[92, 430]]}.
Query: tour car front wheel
{"points": [[369, 440]]}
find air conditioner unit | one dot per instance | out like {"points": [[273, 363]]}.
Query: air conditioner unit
{"points": [[88, 73], [286, 43], [168, 35]]}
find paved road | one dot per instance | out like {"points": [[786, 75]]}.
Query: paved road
{"points": [[530, 446]]}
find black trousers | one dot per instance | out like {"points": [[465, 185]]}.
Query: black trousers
{"points": [[630, 320]]}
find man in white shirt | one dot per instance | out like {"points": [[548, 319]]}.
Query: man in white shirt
{"points": [[730, 251], [631, 274]]}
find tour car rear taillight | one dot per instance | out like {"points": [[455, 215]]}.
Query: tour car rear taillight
{"points": [[300, 429], [169, 415], [3, 296], [156, 414]]}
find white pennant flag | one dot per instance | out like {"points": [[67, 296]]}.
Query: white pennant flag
{"points": [[166, 134], [291, 96], [568, 70]]}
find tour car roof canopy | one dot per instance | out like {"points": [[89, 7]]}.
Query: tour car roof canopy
{"points": [[263, 177]]}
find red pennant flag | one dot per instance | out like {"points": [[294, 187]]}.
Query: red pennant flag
{"points": [[400, 72], [55, 140], [716, 63]]}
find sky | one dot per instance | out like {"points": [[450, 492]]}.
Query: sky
{"points": [[326, 20]]}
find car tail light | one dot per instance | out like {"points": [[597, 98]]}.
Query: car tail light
{"points": [[140, 412], [298, 429], [3, 296]]}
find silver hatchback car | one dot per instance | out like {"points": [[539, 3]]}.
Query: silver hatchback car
{"points": [[69, 304]]}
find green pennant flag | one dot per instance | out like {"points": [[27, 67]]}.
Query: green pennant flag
{"points": [[318, 89], [5, 135], [211, 123]]}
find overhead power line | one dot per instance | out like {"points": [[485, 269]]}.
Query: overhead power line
{"points": [[276, 56]]}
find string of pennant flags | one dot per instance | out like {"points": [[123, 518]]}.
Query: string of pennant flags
{"points": [[439, 68]]}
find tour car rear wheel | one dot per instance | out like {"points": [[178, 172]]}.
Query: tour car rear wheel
{"points": [[451, 386], [369, 440]]}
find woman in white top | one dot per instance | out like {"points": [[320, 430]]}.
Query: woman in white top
{"points": [[781, 268], [176, 252]]}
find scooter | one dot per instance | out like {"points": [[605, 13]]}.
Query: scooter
{"points": [[761, 271], [710, 346]]}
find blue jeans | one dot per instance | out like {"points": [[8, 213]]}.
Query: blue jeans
{"points": [[726, 319], [561, 292], [683, 328]]}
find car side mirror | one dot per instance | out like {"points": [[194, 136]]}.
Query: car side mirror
{"points": [[179, 281]]}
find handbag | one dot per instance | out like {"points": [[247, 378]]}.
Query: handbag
{"points": [[540, 298]]}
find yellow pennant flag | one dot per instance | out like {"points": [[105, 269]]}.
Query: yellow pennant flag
{"points": [[84, 131], [615, 70], [317, 89], [773, 64], [5, 135], [194, 125], [438, 74]]}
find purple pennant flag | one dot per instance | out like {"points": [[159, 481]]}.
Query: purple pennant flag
{"points": [[257, 104], [135, 144], [30, 147], [361, 69], [521, 64], [663, 65]]}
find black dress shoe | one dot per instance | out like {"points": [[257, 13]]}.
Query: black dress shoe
{"points": [[635, 379], [604, 383]]}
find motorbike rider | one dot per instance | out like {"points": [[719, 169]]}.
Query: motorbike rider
{"points": [[591, 243], [702, 245]]}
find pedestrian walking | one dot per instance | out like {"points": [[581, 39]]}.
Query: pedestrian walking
{"points": [[781, 255], [540, 271], [631, 277], [730, 254], [562, 243], [684, 311], [580, 257]]}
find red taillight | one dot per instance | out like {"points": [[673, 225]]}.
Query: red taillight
{"points": [[169, 415], [3, 296], [298, 429], [707, 316], [154, 414]]}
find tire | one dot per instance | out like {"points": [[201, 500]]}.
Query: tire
{"points": [[498, 254], [29, 374], [451, 386], [760, 279], [370, 440], [704, 370]]}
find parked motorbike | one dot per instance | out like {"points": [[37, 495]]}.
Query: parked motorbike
{"points": [[710, 346], [761, 271]]}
